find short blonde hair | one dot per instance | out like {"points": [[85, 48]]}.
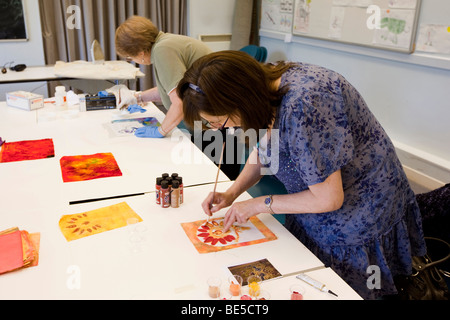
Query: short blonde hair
{"points": [[135, 35]]}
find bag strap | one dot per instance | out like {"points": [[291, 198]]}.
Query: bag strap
{"points": [[423, 266]]}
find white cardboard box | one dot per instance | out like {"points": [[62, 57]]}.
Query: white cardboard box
{"points": [[25, 100]]}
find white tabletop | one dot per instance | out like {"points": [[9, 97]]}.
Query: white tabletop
{"points": [[165, 265], [13, 118], [279, 289], [30, 74], [141, 161], [47, 73]]}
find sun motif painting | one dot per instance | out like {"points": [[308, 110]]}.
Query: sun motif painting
{"points": [[27, 150], [209, 236], [212, 233], [77, 226], [89, 167]]}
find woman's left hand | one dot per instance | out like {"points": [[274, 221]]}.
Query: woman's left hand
{"points": [[240, 212]]}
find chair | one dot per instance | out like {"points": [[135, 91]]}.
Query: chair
{"points": [[259, 53], [97, 53]]}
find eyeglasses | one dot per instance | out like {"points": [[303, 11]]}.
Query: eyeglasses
{"points": [[215, 124]]}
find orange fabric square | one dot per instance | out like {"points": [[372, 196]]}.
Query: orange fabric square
{"points": [[27, 150], [89, 167], [11, 252]]}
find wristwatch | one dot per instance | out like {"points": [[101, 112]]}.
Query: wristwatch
{"points": [[268, 202]]}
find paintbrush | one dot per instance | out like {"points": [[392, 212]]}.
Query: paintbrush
{"points": [[218, 169]]}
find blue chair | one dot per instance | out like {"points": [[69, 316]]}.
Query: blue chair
{"points": [[259, 53]]}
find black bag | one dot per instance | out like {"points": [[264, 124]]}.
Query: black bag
{"points": [[427, 281]]}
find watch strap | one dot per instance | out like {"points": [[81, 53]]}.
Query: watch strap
{"points": [[268, 202]]}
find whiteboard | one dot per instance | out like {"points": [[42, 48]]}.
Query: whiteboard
{"points": [[385, 24], [12, 21]]}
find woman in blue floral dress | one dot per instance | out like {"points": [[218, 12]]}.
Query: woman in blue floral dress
{"points": [[348, 199]]}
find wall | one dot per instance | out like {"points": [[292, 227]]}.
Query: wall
{"points": [[29, 52], [410, 96], [210, 17]]}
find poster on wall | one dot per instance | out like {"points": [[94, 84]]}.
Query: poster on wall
{"points": [[12, 21], [277, 15]]}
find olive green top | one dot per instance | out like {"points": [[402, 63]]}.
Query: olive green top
{"points": [[172, 55]]}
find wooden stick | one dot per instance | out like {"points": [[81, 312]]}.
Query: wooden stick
{"points": [[217, 176]]}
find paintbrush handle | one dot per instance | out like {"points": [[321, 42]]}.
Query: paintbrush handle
{"points": [[217, 176]]}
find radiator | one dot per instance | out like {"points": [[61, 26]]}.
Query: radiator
{"points": [[217, 42]]}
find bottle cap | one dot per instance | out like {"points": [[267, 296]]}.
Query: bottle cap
{"points": [[165, 184], [174, 175], [175, 184], [165, 175], [158, 181]]}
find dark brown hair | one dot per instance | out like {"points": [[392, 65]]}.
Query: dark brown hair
{"points": [[234, 84], [135, 35]]}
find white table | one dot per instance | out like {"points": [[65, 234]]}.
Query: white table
{"points": [[12, 119], [47, 73], [165, 266], [279, 289], [31, 74], [140, 160]]}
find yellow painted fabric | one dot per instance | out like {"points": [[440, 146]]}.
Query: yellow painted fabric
{"points": [[77, 226]]}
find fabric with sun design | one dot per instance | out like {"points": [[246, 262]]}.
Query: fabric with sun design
{"points": [[209, 236], [77, 226], [212, 232]]}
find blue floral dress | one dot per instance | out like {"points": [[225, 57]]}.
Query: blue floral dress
{"points": [[324, 126]]}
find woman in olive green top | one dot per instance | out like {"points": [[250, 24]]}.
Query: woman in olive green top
{"points": [[139, 40]]}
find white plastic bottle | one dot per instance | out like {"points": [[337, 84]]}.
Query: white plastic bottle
{"points": [[60, 96]]}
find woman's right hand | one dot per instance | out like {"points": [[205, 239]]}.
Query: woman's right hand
{"points": [[221, 200]]}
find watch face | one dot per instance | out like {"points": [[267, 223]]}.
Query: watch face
{"points": [[267, 201]]}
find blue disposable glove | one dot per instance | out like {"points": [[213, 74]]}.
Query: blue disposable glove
{"points": [[148, 132], [136, 108], [103, 94]]}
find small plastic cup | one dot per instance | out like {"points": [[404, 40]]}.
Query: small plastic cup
{"points": [[225, 295], [297, 292], [264, 295], [214, 287], [135, 235], [254, 286], [235, 282]]}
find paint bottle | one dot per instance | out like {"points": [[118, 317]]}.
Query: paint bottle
{"points": [[158, 190], [60, 96], [180, 180], [164, 194], [169, 179], [175, 194]]}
